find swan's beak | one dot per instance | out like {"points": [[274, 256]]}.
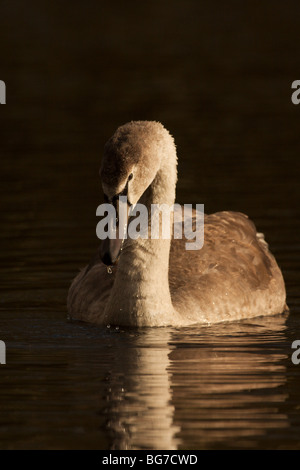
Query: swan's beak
{"points": [[110, 251], [111, 247]]}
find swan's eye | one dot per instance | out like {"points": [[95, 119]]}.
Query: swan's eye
{"points": [[130, 176]]}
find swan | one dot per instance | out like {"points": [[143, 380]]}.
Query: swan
{"points": [[158, 282]]}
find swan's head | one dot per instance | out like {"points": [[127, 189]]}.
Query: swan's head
{"points": [[131, 160]]}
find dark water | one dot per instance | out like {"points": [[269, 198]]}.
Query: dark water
{"points": [[218, 75]]}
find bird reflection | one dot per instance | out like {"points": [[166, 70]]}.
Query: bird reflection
{"points": [[205, 387], [139, 400]]}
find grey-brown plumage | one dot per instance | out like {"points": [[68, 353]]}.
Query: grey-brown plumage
{"points": [[158, 282]]}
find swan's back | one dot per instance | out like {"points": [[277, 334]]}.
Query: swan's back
{"points": [[233, 276]]}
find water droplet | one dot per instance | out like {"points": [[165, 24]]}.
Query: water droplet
{"points": [[108, 326], [117, 328], [108, 269]]}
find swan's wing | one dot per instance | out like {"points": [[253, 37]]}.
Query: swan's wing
{"points": [[232, 276], [230, 244]]}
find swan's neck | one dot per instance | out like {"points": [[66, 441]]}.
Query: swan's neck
{"points": [[140, 295]]}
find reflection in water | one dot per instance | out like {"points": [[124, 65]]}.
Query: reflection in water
{"points": [[232, 379], [217, 386], [140, 412]]}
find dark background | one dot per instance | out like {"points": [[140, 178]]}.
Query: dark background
{"points": [[217, 74]]}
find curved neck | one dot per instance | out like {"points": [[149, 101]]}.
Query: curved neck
{"points": [[162, 188], [140, 295]]}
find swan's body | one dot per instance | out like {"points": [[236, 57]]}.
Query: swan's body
{"points": [[158, 282]]}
